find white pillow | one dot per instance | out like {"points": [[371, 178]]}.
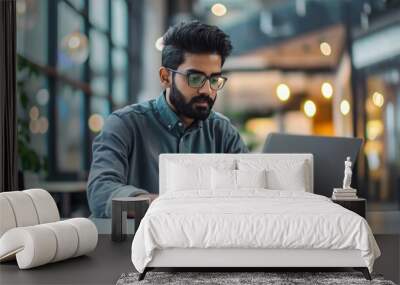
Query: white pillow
{"points": [[223, 179], [293, 180], [184, 173], [227, 179], [282, 174], [251, 178], [182, 177]]}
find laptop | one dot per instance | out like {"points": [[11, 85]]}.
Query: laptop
{"points": [[329, 156]]}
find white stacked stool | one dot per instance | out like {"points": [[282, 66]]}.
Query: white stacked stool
{"points": [[31, 231]]}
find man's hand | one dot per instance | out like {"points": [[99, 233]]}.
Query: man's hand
{"points": [[151, 196]]}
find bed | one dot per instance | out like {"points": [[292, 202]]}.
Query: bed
{"points": [[247, 210]]}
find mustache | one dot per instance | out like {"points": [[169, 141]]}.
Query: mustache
{"points": [[201, 99]]}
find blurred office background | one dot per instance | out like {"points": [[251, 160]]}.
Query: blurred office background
{"points": [[318, 67]]}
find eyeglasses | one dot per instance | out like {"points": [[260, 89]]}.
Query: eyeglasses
{"points": [[198, 79]]}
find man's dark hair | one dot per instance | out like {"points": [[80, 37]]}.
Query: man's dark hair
{"points": [[193, 37]]}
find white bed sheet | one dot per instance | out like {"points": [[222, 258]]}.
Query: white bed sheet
{"points": [[251, 218]]}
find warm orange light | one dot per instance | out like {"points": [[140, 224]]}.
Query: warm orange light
{"points": [[34, 113], [325, 48], [310, 109], [96, 123], [378, 99], [374, 129], [345, 107], [283, 92], [43, 125], [327, 90], [34, 126], [219, 9]]}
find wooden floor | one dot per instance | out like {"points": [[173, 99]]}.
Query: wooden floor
{"points": [[110, 260], [386, 228], [384, 222]]}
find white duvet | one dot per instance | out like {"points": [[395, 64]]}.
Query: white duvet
{"points": [[253, 218]]}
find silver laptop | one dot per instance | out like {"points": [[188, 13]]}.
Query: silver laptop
{"points": [[329, 156]]}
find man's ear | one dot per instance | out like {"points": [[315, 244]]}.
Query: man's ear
{"points": [[165, 79]]}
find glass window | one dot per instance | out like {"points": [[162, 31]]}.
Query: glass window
{"points": [[76, 50], [119, 22], [78, 4], [73, 45], [32, 30], [98, 13], [98, 51], [99, 55], [33, 120], [38, 115], [100, 106], [120, 83], [69, 117], [120, 91], [99, 84], [99, 111], [382, 138]]}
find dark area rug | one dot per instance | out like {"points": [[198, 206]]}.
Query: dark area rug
{"points": [[228, 278]]}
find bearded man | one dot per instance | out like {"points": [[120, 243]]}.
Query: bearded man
{"points": [[179, 120]]}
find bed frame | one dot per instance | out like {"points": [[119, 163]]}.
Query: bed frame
{"points": [[242, 258]]}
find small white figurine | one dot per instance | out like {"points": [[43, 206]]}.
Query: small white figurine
{"points": [[347, 174]]}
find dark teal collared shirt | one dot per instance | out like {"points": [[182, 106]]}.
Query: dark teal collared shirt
{"points": [[125, 153]]}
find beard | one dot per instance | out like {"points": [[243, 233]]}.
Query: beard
{"points": [[190, 109]]}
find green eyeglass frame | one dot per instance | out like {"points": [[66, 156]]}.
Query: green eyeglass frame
{"points": [[197, 79]]}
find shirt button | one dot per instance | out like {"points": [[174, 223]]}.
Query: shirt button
{"points": [[169, 126], [180, 124]]}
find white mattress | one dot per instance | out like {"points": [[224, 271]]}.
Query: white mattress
{"points": [[251, 219]]}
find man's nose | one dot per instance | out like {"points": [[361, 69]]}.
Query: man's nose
{"points": [[206, 88]]}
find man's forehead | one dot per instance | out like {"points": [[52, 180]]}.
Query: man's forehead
{"points": [[207, 63]]}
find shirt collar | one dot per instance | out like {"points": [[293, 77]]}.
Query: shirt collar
{"points": [[168, 116]]}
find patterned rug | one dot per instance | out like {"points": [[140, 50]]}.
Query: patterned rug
{"points": [[229, 278]]}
